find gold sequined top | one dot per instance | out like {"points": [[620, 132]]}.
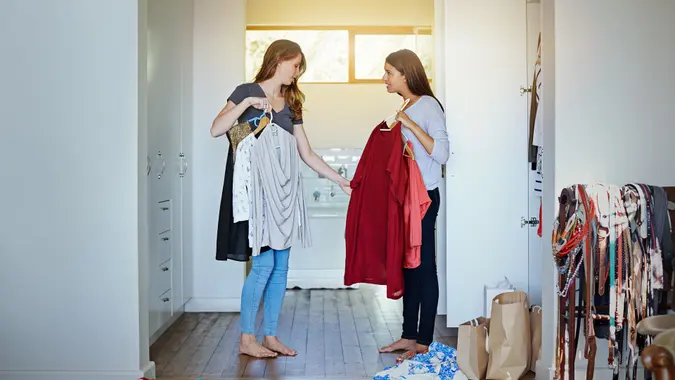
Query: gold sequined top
{"points": [[237, 134]]}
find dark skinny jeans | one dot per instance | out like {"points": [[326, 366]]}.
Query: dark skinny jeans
{"points": [[421, 284]]}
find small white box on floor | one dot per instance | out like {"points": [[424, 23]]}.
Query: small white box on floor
{"points": [[491, 291]]}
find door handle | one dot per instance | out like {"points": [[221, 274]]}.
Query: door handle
{"points": [[159, 157], [532, 222], [184, 165], [523, 90]]}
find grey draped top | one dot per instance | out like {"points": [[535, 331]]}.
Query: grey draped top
{"points": [[278, 208]]}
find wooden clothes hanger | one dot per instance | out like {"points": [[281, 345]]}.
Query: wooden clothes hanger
{"points": [[256, 120], [406, 148], [262, 122]]}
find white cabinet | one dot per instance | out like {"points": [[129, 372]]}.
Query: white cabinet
{"points": [[169, 105]]}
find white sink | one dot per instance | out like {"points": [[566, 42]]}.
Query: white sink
{"points": [[327, 210]]}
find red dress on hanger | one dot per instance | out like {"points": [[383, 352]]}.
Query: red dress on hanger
{"points": [[374, 231]]}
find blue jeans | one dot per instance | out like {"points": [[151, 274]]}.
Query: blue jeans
{"points": [[268, 277]]}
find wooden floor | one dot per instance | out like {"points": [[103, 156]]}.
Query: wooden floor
{"points": [[336, 333]]}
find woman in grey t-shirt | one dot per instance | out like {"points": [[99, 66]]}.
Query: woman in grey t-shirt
{"points": [[274, 89]]}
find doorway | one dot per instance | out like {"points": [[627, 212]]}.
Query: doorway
{"points": [[487, 185]]}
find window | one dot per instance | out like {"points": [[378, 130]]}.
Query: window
{"points": [[352, 54], [370, 51], [326, 52]]}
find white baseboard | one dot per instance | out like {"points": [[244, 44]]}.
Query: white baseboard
{"points": [[78, 375], [219, 305], [317, 279], [149, 370]]}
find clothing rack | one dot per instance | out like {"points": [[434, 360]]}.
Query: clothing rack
{"points": [[611, 245]]}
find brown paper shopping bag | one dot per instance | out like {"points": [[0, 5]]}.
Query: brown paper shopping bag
{"points": [[472, 354], [509, 345], [535, 335]]}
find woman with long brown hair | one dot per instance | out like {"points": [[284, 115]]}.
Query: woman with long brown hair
{"points": [[275, 89], [423, 124]]}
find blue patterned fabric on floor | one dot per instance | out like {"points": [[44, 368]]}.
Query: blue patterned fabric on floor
{"points": [[440, 363]]}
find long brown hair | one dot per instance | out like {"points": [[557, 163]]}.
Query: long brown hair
{"points": [[280, 51], [409, 65]]}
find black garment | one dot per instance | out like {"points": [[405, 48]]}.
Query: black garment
{"points": [[662, 226], [232, 238], [421, 284]]}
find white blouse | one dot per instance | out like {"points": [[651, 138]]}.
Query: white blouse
{"points": [[241, 182]]}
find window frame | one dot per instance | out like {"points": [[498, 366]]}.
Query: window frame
{"points": [[353, 31]]}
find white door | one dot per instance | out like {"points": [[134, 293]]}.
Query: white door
{"points": [[439, 90], [185, 155], [165, 118], [159, 141], [487, 174], [535, 180]]}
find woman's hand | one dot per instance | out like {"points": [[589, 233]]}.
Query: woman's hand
{"points": [[404, 119], [345, 185], [259, 103]]}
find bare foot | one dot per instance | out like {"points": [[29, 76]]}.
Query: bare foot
{"points": [[401, 344], [409, 354], [248, 345], [272, 343]]}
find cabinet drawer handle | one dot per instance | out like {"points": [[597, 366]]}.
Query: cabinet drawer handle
{"points": [[164, 269], [165, 208], [165, 238], [165, 299]]}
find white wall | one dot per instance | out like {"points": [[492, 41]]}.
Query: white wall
{"points": [[69, 279], [143, 217], [219, 35], [344, 12], [614, 88], [615, 84], [343, 115]]}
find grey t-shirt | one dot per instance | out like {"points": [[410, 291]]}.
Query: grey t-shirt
{"points": [[284, 118]]}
